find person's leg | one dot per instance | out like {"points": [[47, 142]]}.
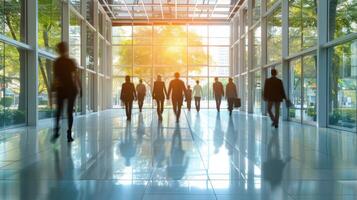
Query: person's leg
{"points": [[126, 104], [179, 106], [199, 103], [230, 105], [277, 113], [158, 107], [219, 100], [130, 106], [174, 106], [271, 115], [217, 105], [196, 103], [59, 109], [70, 110], [189, 104]]}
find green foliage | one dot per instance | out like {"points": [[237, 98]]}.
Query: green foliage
{"points": [[343, 116], [7, 101], [12, 117], [46, 113], [169, 52]]}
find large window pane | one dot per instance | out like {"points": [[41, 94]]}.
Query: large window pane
{"points": [[75, 38], [257, 92], [295, 92], [45, 79], [49, 24], [12, 98], [342, 18], [90, 49], [170, 55], [256, 10], [343, 85], [219, 56], [12, 19], [302, 25], [270, 3], [76, 4], [90, 11], [274, 32], [257, 47], [142, 55], [197, 56], [123, 55], [310, 88]]}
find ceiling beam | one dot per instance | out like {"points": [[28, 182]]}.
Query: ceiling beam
{"points": [[143, 4]]}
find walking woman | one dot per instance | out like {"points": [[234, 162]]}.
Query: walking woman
{"points": [[197, 93], [159, 93], [127, 96]]}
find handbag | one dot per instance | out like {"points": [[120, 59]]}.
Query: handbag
{"points": [[237, 102]]}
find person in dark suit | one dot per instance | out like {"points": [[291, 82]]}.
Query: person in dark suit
{"points": [[218, 92], [188, 97], [159, 92], [141, 93], [178, 89], [66, 85], [231, 94], [274, 94], [127, 96]]}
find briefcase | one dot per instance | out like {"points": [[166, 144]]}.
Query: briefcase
{"points": [[237, 103]]}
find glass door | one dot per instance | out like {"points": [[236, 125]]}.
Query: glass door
{"points": [[303, 89]]}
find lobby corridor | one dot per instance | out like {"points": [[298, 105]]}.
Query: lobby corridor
{"points": [[206, 156]]}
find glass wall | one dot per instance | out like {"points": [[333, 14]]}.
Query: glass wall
{"points": [[274, 37], [303, 89], [197, 52], [343, 85], [13, 103], [17, 58]]}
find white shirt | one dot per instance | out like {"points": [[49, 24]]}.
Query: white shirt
{"points": [[197, 91]]}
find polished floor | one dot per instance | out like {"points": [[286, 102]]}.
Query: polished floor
{"points": [[206, 156]]}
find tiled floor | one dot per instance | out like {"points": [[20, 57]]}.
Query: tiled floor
{"points": [[206, 156]]}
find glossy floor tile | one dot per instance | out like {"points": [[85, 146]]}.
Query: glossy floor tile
{"points": [[208, 155]]}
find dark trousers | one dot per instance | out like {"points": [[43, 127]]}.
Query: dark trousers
{"points": [[188, 101], [128, 107], [230, 104], [274, 116], [70, 109], [177, 104], [198, 103], [141, 101], [218, 99], [160, 106]]}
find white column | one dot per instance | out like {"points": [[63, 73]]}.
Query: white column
{"points": [[285, 53], [250, 59], [263, 50], [83, 57], [322, 65], [32, 63]]}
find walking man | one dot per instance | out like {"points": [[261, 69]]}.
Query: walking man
{"points": [[197, 93], [178, 89], [66, 85], [159, 92], [127, 96], [141, 92], [231, 94], [274, 94], [218, 92]]}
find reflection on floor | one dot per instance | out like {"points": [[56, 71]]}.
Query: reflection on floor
{"points": [[205, 156]]}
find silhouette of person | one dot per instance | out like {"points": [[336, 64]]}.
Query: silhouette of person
{"points": [[66, 85], [218, 136], [127, 96], [159, 146], [188, 97], [274, 94], [197, 94], [273, 167], [127, 145], [218, 93], [231, 94], [177, 162], [178, 89], [141, 93], [159, 93]]}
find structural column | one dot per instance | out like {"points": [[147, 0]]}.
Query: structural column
{"points": [[263, 22], [32, 63], [322, 65], [285, 53]]}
